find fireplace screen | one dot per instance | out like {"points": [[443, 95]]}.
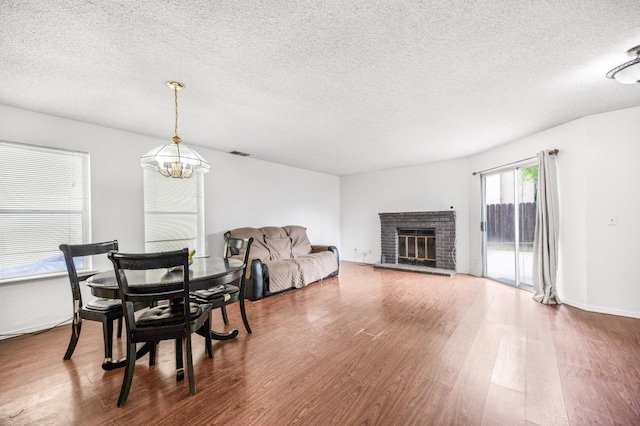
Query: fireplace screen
{"points": [[417, 246]]}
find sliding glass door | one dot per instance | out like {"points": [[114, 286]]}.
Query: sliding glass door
{"points": [[509, 212]]}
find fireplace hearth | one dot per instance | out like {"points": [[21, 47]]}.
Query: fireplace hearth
{"points": [[423, 239]]}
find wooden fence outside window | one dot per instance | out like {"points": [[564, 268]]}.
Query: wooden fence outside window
{"points": [[500, 222]]}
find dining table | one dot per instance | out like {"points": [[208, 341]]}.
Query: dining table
{"points": [[204, 273]]}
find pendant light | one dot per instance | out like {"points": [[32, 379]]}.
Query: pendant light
{"points": [[175, 160]]}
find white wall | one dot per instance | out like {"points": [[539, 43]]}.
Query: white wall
{"points": [[430, 187], [598, 168], [599, 172], [241, 191], [258, 194]]}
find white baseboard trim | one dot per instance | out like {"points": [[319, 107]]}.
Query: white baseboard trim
{"points": [[601, 310], [15, 333]]}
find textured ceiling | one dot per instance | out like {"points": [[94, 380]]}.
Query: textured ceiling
{"points": [[336, 86]]}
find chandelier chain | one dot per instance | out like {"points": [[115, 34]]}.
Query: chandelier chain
{"points": [[175, 93]]}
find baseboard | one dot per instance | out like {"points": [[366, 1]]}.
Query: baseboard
{"points": [[591, 308], [601, 310], [41, 327]]}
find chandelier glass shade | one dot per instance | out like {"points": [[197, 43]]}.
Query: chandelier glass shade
{"points": [[175, 160], [629, 72]]}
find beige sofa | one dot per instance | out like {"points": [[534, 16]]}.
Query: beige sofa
{"points": [[282, 258]]}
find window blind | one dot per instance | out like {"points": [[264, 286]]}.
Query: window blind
{"points": [[44, 202], [173, 213]]}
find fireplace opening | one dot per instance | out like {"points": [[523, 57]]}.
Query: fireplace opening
{"points": [[417, 246]]}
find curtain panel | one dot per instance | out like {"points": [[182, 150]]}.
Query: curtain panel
{"points": [[545, 245]]}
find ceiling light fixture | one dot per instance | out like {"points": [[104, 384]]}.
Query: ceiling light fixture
{"points": [[629, 72], [175, 160]]}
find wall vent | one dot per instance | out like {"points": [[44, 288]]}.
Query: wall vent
{"points": [[241, 154]]}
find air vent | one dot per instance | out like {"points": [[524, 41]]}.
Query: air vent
{"points": [[241, 154]]}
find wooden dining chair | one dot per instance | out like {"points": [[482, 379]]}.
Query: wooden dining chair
{"points": [[226, 294], [101, 310], [176, 320]]}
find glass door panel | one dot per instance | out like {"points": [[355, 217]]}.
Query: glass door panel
{"points": [[509, 208], [500, 244], [527, 190]]}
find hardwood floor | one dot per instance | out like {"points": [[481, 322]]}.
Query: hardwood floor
{"points": [[368, 347]]}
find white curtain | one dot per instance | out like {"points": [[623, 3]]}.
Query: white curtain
{"points": [[545, 245]]}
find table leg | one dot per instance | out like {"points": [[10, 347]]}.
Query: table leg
{"points": [[216, 335], [112, 364]]}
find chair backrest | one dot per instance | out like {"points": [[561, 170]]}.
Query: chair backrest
{"points": [[174, 289], [71, 251], [235, 247]]}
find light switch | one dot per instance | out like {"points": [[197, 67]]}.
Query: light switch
{"points": [[612, 220]]}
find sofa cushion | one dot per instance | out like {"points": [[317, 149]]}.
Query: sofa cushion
{"points": [[283, 274], [258, 249], [300, 244], [279, 248], [314, 267]]}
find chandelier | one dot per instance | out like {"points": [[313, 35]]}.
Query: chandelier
{"points": [[175, 160], [629, 72]]}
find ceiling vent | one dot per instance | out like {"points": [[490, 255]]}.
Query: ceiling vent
{"points": [[241, 154]]}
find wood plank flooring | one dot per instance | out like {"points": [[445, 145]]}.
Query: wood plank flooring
{"points": [[367, 347]]}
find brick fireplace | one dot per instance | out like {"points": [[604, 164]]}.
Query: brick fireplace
{"points": [[433, 229]]}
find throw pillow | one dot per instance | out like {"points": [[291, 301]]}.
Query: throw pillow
{"points": [[280, 248], [300, 244]]}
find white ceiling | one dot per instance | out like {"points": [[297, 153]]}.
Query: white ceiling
{"points": [[336, 86]]}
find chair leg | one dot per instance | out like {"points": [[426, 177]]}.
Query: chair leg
{"points": [[205, 331], [128, 373], [192, 380], [76, 327], [223, 309], [107, 334], [179, 362], [244, 316], [119, 327], [207, 336], [153, 346]]}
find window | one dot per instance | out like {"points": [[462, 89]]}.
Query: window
{"points": [[173, 212], [44, 202]]}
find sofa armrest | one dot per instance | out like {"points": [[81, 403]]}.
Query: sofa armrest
{"points": [[318, 249], [332, 249], [256, 284]]}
